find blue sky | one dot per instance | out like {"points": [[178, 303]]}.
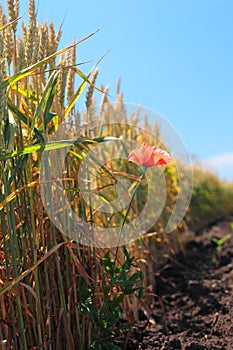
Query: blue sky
{"points": [[174, 56]]}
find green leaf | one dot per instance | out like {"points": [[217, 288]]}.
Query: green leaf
{"points": [[141, 275], [224, 239], [18, 167], [24, 119], [134, 277], [46, 101], [140, 292], [9, 132], [75, 98], [50, 146], [126, 254], [86, 79]]}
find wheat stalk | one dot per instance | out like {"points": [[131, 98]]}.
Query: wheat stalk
{"points": [[90, 90], [70, 77], [29, 42], [8, 46]]}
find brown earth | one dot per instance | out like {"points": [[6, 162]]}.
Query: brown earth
{"points": [[194, 307]]}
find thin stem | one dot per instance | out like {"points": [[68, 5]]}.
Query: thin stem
{"points": [[128, 209]]}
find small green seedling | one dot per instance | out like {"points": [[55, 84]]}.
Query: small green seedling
{"points": [[220, 241]]}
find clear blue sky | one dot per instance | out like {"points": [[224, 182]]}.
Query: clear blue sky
{"points": [[174, 56]]}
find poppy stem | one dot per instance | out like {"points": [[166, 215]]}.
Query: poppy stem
{"points": [[128, 209]]}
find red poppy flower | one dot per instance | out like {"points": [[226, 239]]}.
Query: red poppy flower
{"points": [[149, 156]]}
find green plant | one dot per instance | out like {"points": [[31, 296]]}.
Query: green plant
{"points": [[220, 241], [117, 283]]}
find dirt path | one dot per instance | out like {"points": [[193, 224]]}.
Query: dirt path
{"points": [[197, 294]]}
